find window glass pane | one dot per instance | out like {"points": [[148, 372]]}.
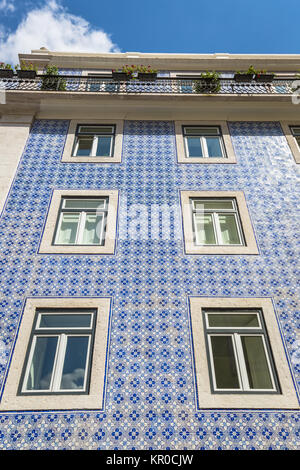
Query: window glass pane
{"points": [[256, 362], [212, 204], [298, 140], [201, 130], [84, 203], [92, 229], [233, 320], [68, 229], [96, 129], [61, 320], [75, 363], [214, 147], [194, 147], [296, 130], [229, 230], [84, 147], [204, 229], [103, 147], [41, 367], [224, 362]]}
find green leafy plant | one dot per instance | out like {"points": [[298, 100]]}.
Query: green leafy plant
{"points": [[214, 76], [133, 70], [251, 71], [4, 66], [52, 80], [146, 69], [210, 83], [26, 66]]}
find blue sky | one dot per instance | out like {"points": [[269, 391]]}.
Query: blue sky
{"points": [[234, 26]]}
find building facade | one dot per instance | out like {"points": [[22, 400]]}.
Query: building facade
{"points": [[149, 242]]}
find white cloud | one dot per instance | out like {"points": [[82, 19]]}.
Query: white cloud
{"points": [[52, 26], [7, 6]]}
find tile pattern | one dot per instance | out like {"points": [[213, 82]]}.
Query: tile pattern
{"points": [[150, 400]]}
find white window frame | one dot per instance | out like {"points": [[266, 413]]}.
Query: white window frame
{"points": [[60, 353], [203, 142], [239, 356], [58, 364], [249, 245], [286, 396], [69, 149], [216, 223], [95, 136], [94, 396], [48, 245], [41, 328], [287, 127], [234, 312], [296, 135], [81, 223], [229, 156]]}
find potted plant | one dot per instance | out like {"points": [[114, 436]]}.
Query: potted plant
{"points": [[126, 73], [245, 76], [210, 82], [26, 70], [6, 70], [51, 79], [146, 73], [263, 76]]}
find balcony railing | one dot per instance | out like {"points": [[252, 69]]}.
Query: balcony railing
{"points": [[177, 86]]}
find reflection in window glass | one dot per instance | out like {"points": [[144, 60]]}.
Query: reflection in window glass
{"points": [[40, 372]]}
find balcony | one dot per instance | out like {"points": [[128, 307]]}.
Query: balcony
{"points": [[161, 86]]}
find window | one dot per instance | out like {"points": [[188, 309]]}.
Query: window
{"points": [[94, 141], [217, 222], [60, 355], [81, 222], [203, 142], [60, 351], [239, 352], [238, 355], [292, 133], [296, 134]]}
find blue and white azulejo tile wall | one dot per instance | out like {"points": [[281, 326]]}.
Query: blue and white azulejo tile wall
{"points": [[150, 396]]}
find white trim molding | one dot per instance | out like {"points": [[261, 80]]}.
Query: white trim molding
{"points": [[249, 245], [181, 151], [285, 399], [69, 145], [286, 126], [47, 245], [11, 400]]}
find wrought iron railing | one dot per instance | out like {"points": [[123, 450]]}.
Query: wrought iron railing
{"points": [[178, 86]]}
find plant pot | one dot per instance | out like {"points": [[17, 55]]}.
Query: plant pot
{"points": [[26, 74], [145, 76], [53, 83], [121, 76], [6, 73], [264, 77], [243, 77]]}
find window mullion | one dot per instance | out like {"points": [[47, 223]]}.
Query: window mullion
{"points": [[217, 228], [59, 363], [204, 147], [81, 225], [241, 362], [94, 146]]}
